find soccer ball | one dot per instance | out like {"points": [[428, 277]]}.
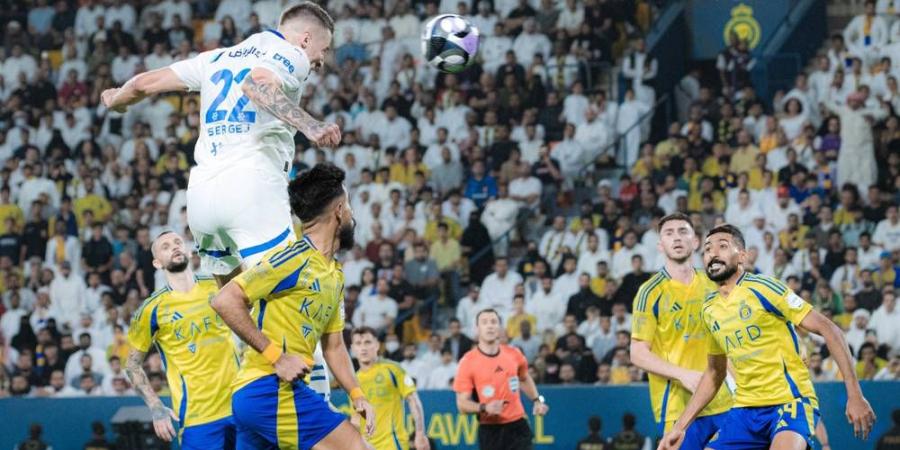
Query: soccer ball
{"points": [[450, 43]]}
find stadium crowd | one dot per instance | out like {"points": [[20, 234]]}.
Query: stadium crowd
{"points": [[440, 167]]}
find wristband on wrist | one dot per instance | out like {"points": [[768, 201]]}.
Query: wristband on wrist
{"points": [[482, 408], [356, 394], [272, 353]]}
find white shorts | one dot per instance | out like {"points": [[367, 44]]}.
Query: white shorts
{"points": [[236, 215], [318, 375]]}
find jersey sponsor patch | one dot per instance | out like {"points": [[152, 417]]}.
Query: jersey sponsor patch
{"points": [[514, 383], [487, 391], [287, 64], [794, 301]]}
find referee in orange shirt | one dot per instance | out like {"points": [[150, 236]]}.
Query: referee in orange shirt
{"points": [[494, 374]]}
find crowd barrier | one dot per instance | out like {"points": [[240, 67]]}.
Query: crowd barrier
{"points": [[66, 422]]}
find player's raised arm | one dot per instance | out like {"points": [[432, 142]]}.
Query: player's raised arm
{"points": [[231, 305], [264, 88], [335, 352], [859, 412], [709, 384], [141, 86], [162, 415]]}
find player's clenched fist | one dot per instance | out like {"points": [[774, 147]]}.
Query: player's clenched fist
{"points": [[291, 368], [323, 134], [107, 97]]}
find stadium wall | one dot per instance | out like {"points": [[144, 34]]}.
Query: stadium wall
{"points": [[791, 45], [66, 422], [711, 22]]}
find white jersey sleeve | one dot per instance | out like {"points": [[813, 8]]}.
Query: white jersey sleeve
{"points": [[290, 64], [191, 70]]}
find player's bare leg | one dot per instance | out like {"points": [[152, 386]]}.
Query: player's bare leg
{"points": [[344, 437], [788, 440]]}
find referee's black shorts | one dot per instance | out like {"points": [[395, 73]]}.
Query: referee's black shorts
{"points": [[508, 436]]}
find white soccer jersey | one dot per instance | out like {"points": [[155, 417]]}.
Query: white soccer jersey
{"points": [[233, 131]]}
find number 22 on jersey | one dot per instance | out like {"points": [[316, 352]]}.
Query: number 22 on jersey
{"points": [[227, 78]]}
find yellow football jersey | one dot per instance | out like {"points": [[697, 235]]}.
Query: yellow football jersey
{"points": [[754, 327], [10, 211], [297, 296], [666, 314], [386, 386], [196, 348]]}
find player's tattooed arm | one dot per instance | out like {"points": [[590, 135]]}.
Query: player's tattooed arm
{"points": [[264, 89], [135, 371], [418, 413], [162, 416]]}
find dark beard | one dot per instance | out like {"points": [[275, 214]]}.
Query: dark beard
{"points": [[345, 235], [723, 275], [175, 267]]}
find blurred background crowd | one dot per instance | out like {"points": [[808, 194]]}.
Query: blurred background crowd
{"points": [[531, 183]]}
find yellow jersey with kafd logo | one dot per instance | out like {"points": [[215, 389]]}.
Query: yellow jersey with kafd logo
{"points": [[666, 314], [386, 386], [297, 296], [755, 327], [196, 348]]}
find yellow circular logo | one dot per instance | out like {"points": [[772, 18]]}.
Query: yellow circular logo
{"points": [[744, 25]]}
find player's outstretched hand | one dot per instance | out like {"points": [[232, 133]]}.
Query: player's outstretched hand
{"points": [[421, 442], [365, 409], [107, 97], [861, 416], [162, 422], [291, 368], [323, 134], [671, 441]]}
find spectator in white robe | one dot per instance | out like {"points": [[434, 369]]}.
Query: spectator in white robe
{"points": [[570, 154], [593, 135], [856, 160], [866, 34], [630, 112], [499, 216]]}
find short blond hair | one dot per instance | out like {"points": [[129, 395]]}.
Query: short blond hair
{"points": [[308, 9]]}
